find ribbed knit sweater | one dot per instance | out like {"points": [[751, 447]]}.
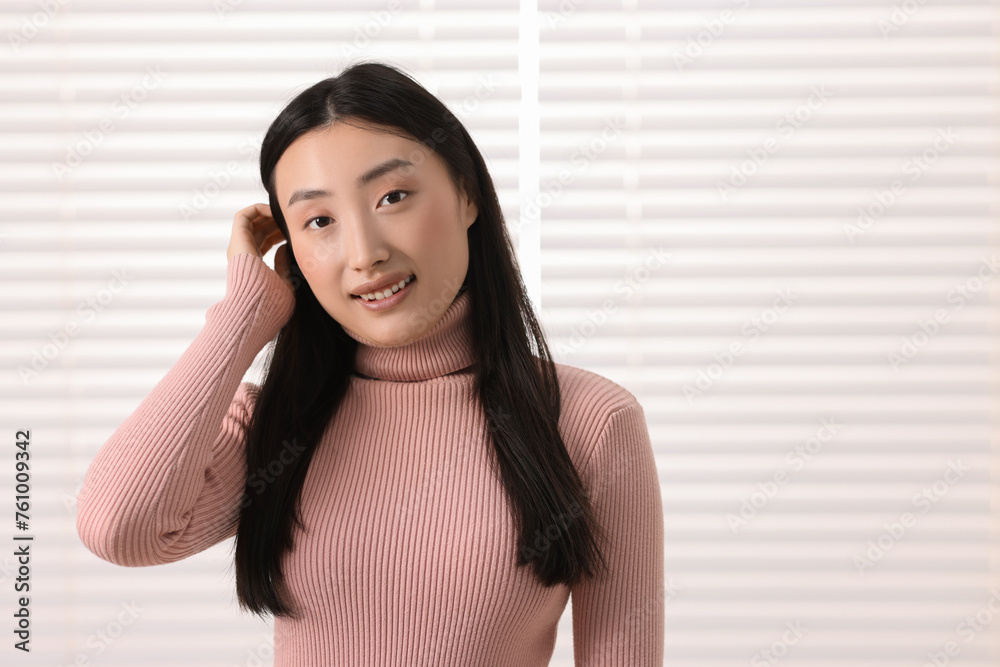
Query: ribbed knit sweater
{"points": [[409, 558]]}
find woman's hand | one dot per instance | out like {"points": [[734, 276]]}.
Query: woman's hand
{"points": [[256, 232]]}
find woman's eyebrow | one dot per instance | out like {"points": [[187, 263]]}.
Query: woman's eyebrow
{"points": [[362, 180]]}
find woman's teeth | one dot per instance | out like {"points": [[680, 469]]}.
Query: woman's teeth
{"points": [[389, 291]]}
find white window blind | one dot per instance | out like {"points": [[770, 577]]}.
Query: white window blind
{"points": [[775, 222], [718, 231]]}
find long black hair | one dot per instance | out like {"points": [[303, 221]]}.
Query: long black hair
{"points": [[308, 369]]}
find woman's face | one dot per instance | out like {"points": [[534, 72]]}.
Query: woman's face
{"points": [[356, 216]]}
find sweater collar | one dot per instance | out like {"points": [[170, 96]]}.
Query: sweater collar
{"points": [[445, 348]]}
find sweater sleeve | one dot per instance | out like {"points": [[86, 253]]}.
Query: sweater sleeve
{"points": [[168, 482], [618, 618]]}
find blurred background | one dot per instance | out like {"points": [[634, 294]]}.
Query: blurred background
{"points": [[774, 221]]}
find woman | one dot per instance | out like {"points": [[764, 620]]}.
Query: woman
{"points": [[415, 481]]}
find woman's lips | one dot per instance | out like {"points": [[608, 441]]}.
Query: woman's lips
{"points": [[379, 305], [410, 278]]}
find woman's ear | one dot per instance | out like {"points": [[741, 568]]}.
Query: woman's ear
{"points": [[469, 208]]}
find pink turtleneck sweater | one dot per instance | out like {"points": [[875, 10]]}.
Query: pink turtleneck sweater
{"points": [[410, 555]]}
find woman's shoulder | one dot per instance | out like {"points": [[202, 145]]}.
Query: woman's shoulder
{"points": [[581, 388], [588, 402]]}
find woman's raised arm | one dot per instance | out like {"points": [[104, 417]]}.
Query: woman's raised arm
{"points": [[169, 481]]}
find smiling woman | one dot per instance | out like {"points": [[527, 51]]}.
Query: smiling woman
{"points": [[415, 481]]}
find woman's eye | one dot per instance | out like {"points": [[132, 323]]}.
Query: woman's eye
{"points": [[309, 223], [395, 192]]}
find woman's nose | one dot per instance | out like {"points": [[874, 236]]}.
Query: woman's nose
{"points": [[363, 242]]}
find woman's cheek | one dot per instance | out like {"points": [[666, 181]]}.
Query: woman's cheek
{"points": [[311, 259], [431, 237]]}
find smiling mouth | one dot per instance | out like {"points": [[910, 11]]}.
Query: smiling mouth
{"points": [[387, 292]]}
